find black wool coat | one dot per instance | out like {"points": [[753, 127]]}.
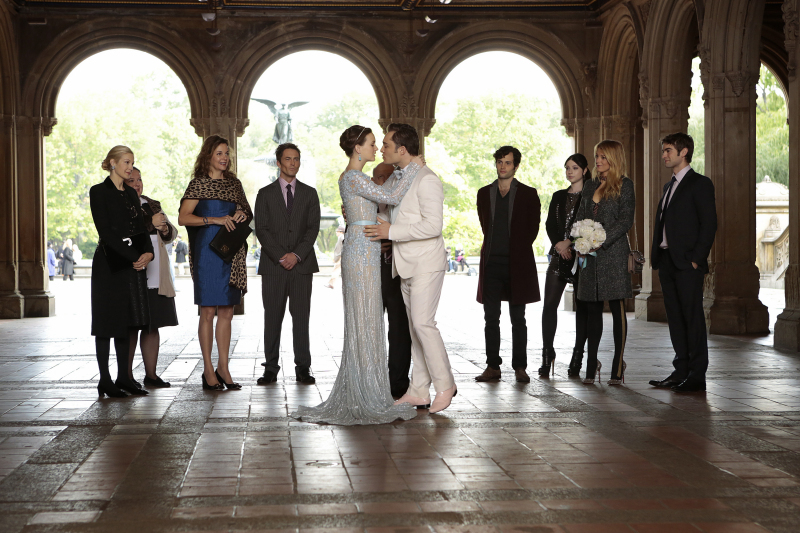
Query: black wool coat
{"points": [[523, 224], [117, 215]]}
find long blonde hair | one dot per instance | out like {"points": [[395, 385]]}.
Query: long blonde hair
{"points": [[615, 155]]}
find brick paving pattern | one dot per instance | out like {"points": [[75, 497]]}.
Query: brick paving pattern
{"points": [[550, 456]]}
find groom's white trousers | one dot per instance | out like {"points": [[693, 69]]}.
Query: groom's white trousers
{"points": [[421, 295]]}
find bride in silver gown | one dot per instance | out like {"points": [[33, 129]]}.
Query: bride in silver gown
{"points": [[361, 393]]}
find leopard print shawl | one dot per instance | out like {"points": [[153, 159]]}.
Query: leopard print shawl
{"points": [[228, 190]]}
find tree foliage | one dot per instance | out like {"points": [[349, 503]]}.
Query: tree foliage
{"points": [[461, 151], [151, 116]]}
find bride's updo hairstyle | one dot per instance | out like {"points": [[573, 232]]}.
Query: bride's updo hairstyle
{"points": [[352, 137]]}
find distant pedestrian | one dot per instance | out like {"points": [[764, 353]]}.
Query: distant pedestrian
{"points": [[337, 258], [448, 257], [181, 250], [77, 255], [461, 259], [51, 261], [69, 260]]}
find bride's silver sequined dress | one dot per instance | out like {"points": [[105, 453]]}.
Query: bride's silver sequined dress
{"points": [[361, 393]]}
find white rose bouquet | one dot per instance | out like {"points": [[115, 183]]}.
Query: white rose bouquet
{"points": [[587, 235]]}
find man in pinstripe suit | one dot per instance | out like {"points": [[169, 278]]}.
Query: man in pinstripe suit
{"points": [[287, 223]]}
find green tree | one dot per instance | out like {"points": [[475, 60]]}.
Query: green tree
{"points": [[151, 116], [461, 150]]}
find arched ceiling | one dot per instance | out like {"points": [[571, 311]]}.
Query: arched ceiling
{"points": [[432, 6]]}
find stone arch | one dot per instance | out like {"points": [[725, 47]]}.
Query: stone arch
{"points": [[617, 64], [359, 48], [532, 42], [669, 45], [79, 42], [774, 55]]}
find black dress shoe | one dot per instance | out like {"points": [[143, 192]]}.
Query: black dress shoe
{"points": [[303, 375], [264, 363], [667, 383], [690, 386], [157, 382], [268, 377]]}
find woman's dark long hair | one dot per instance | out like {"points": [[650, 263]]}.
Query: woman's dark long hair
{"points": [[203, 162], [580, 160]]}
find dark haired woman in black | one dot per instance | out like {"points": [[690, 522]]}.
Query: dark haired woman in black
{"points": [[563, 208]]}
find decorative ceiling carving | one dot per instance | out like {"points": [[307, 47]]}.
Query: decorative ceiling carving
{"points": [[337, 5]]}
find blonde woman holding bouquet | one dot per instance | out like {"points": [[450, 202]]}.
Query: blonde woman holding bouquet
{"points": [[608, 199]]}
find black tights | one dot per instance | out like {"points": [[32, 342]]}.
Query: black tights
{"points": [[103, 347], [595, 330], [553, 289]]}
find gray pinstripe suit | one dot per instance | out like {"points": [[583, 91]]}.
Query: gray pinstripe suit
{"points": [[280, 234]]}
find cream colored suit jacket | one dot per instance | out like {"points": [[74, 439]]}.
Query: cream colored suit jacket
{"points": [[416, 232]]}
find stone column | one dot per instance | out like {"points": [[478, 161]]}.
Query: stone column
{"points": [[787, 327], [32, 201], [664, 115], [730, 131], [421, 124], [11, 301]]}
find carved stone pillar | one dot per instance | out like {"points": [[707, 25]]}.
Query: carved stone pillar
{"points": [[32, 228], [730, 130], [11, 301], [787, 327], [663, 115], [423, 125]]}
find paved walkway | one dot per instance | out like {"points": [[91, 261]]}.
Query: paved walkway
{"points": [[553, 455]]}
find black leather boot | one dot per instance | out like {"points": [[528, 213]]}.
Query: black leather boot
{"points": [[575, 363], [548, 362]]}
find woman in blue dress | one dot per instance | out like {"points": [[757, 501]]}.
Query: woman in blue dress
{"points": [[215, 198]]}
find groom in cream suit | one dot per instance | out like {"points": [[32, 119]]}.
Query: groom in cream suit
{"points": [[418, 258]]}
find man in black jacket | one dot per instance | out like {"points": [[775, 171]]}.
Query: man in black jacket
{"points": [[684, 229], [287, 223]]}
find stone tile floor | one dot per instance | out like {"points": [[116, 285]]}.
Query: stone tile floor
{"points": [[550, 456]]}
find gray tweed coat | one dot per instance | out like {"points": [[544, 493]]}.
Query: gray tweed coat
{"points": [[606, 276]]}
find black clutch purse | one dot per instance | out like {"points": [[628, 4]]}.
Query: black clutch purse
{"points": [[226, 243], [117, 262]]}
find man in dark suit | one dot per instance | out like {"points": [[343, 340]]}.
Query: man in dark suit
{"points": [[684, 229], [399, 335], [287, 223], [509, 212]]}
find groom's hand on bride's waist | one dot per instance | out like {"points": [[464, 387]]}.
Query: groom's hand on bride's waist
{"points": [[378, 231]]}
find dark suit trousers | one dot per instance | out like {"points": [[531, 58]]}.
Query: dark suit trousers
{"points": [[399, 335], [276, 288], [683, 301], [496, 289]]}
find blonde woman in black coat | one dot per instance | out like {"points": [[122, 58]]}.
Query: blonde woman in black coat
{"points": [[119, 281], [609, 199]]}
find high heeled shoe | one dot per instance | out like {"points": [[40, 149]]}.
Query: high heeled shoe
{"points": [[111, 390], [548, 362], [588, 381], [622, 378], [216, 386], [232, 386], [130, 387], [575, 363]]}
